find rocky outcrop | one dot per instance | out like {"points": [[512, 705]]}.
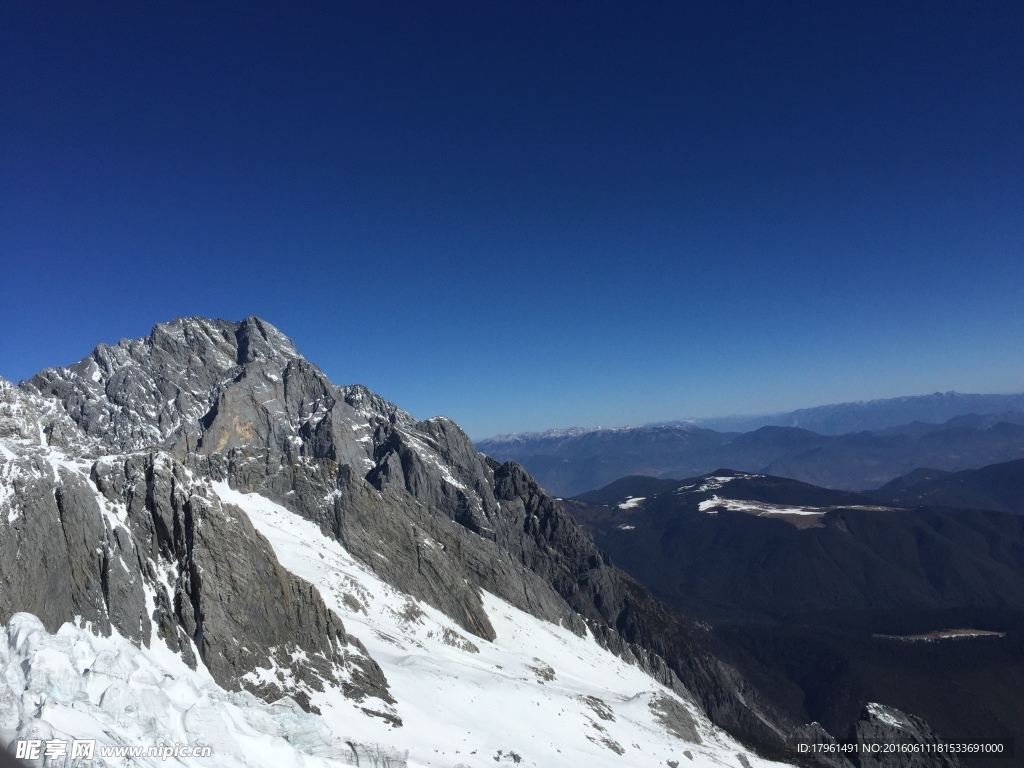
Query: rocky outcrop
{"points": [[136, 543], [881, 727]]}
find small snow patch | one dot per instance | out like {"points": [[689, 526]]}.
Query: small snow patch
{"points": [[632, 502], [884, 715]]}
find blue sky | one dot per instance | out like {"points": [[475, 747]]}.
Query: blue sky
{"points": [[528, 215]]}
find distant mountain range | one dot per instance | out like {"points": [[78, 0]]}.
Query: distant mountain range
{"points": [[569, 462], [869, 415], [802, 584]]}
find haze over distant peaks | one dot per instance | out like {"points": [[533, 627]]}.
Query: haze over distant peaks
{"points": [[512, 438], [862, 415], [568, 462], [834, 419]]}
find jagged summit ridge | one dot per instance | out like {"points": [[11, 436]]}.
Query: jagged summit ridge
{"points": [[151, 391]]}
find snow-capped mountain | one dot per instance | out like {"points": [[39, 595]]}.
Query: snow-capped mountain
{"points": [[204, 540]]}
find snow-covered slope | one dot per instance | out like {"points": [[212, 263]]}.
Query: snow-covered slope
{"points": [[76, 685], [538, 694]]}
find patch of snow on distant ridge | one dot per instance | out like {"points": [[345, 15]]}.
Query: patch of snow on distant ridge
{"points": [[713, 483], [761, 508], [881, 713]]}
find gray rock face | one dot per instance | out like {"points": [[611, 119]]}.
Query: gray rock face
{"points": [[146, 545], [18, 419], [34, 421], [136, 543], [54, 550]]}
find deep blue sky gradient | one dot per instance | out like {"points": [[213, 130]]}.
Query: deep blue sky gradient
{"points": [[527, 215]]}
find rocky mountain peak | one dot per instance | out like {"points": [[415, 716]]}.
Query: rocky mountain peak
{"points": [[157, 391], [150, 449], [259, 340]]}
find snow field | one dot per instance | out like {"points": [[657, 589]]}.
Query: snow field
{"points": [[539, 691], [76, 685]]}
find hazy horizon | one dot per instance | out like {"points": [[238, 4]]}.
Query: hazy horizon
{"points": [[719, 417]]}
